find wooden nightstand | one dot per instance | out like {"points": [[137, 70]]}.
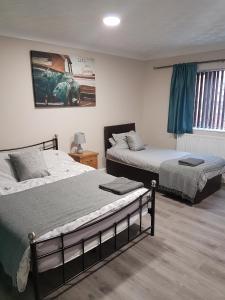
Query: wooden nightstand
{"points": [[88, 158]]}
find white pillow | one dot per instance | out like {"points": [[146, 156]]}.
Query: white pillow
{"points": [[54, 158], [7, 175], [112, 141], [121, 139]]}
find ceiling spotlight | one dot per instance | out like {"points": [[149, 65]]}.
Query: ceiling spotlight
{"points": [[111, 21]]}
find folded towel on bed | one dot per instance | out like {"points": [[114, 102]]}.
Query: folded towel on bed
{"points": [[191, 161], [121, 185]]}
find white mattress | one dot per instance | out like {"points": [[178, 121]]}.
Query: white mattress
{"points": [[149, 159], [61, 166]]}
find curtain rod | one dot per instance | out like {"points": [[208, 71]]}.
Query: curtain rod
{"points": [[197, 62]]}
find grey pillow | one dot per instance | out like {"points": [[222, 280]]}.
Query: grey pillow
{"points": [[121, 139], [29, 164], [135, 142]]}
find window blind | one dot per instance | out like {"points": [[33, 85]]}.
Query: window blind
{"points": [[209, 110]]}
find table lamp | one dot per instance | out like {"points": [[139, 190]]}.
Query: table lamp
{"points": [[79, 139]]}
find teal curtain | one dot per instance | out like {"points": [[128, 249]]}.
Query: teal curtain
{"points": [[182, 94]]}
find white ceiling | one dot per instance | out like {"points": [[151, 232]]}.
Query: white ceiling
{"points": [[149, 28]]}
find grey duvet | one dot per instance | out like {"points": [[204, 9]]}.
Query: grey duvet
{"points": [[179, 179], [187, 180], [43, 208]]}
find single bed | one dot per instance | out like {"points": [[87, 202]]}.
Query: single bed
{"points": [[69, 231], [145, 165]]}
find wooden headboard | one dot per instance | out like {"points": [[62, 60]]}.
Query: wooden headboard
{"points": [[109, 130]]}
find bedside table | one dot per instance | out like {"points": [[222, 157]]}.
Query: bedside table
{"points": [[88, 158]]}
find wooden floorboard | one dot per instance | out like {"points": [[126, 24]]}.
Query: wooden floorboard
{"points": [[184, 261]]}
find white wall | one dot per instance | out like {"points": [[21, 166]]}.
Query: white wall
{"points": [[156, 98], [127, 91], [119, 84]]}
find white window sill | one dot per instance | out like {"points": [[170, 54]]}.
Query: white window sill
{"points": [[207, 129]]}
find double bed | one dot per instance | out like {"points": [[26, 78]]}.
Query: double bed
{"points": [[53, 220], [191, 183]]}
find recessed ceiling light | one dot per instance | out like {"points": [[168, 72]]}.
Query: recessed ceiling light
{"points": [[111, 21]]}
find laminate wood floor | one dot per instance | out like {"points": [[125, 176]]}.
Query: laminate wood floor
{"points": [[184, 261]]}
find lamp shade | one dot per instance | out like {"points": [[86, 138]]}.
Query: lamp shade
{"points": [[79, 138]]}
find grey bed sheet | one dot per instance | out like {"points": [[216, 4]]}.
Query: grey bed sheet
{"points": [[148, 159]]}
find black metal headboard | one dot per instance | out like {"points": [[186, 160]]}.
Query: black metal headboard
{"points": [[46, 145], [109, 130]]}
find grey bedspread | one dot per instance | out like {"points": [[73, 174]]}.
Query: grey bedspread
{"points": [[43, 208], [187, 180]]}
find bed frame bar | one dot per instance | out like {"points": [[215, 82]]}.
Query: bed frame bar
{"points": [[35, 258], [46, 145]]}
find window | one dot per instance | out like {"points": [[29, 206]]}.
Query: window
{"points": [[209, 111]]}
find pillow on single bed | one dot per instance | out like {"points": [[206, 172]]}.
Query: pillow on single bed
{"points": [[121, 139], [135, 142], [29, 164], [112, 141]]}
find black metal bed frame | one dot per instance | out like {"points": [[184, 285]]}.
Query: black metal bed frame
{"points": [[46, 145], [35, 258], [146, 200]]}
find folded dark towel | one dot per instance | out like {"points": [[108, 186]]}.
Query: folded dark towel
{"points": [[121, 185], [191, 161]]}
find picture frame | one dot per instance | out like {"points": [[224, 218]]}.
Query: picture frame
{"points": [[62, 80]]}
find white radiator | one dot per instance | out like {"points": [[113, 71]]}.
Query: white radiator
{"points": [[203, 144]]}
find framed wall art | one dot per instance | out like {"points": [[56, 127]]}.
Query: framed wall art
{"points": [[62, 81]]}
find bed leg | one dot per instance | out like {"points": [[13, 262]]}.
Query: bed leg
{"points": [[153, 185], [33, 257]]}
